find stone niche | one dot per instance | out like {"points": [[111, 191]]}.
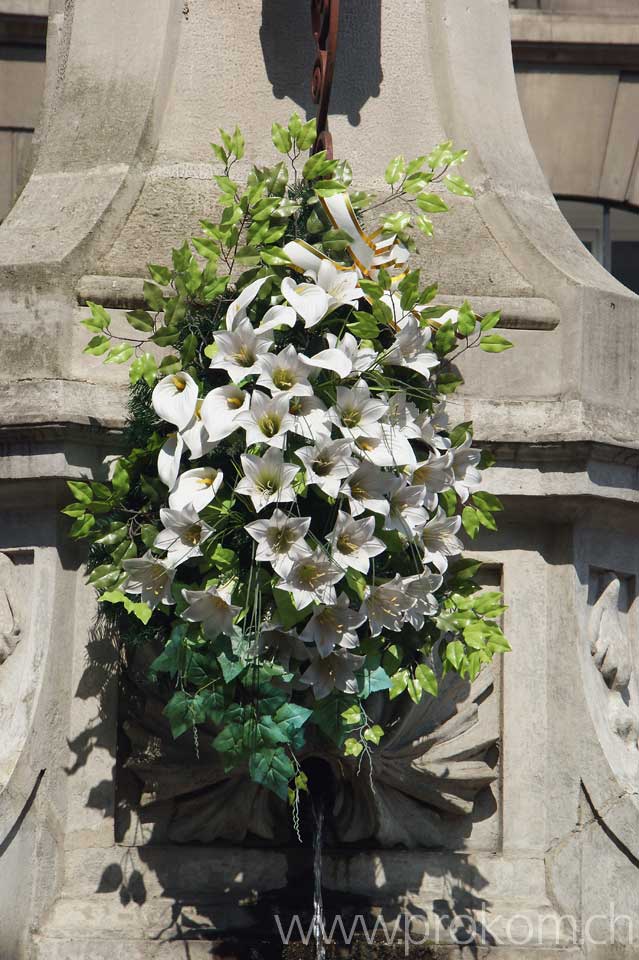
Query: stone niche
{"points": [[512, 800]]}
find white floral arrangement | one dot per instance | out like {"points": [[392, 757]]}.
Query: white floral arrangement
{"points": [[285, 525]]}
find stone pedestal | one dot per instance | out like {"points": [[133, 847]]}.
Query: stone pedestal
{"points": [[134, 95]]}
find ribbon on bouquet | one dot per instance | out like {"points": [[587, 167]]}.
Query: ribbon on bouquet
{"points": [[368, 255]]}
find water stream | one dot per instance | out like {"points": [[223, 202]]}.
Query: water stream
{"points": [[318, 907]]}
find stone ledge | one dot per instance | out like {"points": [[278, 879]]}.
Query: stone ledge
{"points": [[518, 313]]}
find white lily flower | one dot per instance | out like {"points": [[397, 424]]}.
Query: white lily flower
{"points": [[312, 580], [308, 418], [440, 540], [196, 436], [195, 488], [406, 515], [283, 645], [212, 608], [267, 479], [169, 459], [428, 433], [237, 310], [435, 475], [353, 542], [333, 626], [401, 415], [313, 301], [285, 373], [277, 316], [343, 356], [366, 489], [327, 463], [183, 534], [334, 672], [150, 577], [267, 420], [220, 408], [410, 349], [421, 588], [280, 540], [174, 398], [467, 476], [240, 349], [386, 605], [385, 447], [355, 411]]}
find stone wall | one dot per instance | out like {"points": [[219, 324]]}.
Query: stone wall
{"points": [[134, 93]]}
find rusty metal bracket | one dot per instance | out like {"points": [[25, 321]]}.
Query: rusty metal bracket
{"points": [[325, 23]]}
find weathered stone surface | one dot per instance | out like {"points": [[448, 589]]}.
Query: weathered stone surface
{"points": [[134, 94]]}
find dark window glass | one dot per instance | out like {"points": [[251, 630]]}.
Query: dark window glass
{"points": [[625, 263]]}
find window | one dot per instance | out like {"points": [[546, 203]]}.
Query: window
{"points": [[611, 234]]}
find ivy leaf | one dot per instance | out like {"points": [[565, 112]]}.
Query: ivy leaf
{"points": [[179, 713], [291, 717], [273, 769], [287, 613], [370, 681], [352, 715], [374, 734], [352, 747], [140, 610], [230, 743]]}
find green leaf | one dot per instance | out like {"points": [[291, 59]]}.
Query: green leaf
{"points": [[82, 526], [456, 184], [206, 247], [352, 747], [431, 203], [395, 170], [99, 320], [97, 345], [81, 491], [140, 320], [161, 275], [318, 165], [427, 679], [455, 653], [294, 125], [275, 257], [352, 715], [494, 343], [170, 364], [487, 502], [119, 354], [104, 576], [414, 688], [273, 769], [374, 734], [144, 367], [116, 534], [424, 224], [308, 133], [357, 582], [489, 604], [399, 683], [120, 479], [281, 138], [470, 521], [445, 339], [291, 717], [328, 188], [371, 681], [491, 320], [365, 326], [165, 336], [466, 320], [448, 382], [153, 296], [396, 222]]}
